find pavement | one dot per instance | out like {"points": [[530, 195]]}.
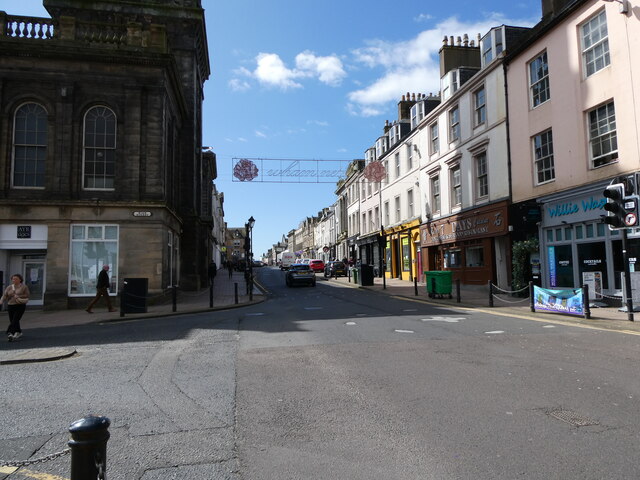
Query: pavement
{"points": [[224, 297]]}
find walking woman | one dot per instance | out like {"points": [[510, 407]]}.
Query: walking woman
{"points": [[17, 296]]}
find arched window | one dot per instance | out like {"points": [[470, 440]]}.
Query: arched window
{"points": [[99, 148], [29, 146]]}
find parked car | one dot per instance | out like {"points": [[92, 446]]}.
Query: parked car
{"points": [[300, 274], [316, 265], [258, 263], [305, 261], [335, 269]]}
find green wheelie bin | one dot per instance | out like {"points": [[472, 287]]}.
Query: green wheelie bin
{"points": [[439, 283]]}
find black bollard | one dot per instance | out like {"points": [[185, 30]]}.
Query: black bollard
{"points": [[349, 274], [211, 294], [235, 288], [457, 290], [532, 300], [88, 446], [415, 285], [174, 298], [585, 299], [490, 294], [251, 289]]}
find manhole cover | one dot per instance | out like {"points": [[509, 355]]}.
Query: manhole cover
{"points": [[572, 418]]}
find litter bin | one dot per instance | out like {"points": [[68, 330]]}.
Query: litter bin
{"points": [[366, 275], [134, 295], [438, 283], [354, 274]]}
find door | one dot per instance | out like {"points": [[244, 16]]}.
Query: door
{"points": [[33, 273]]}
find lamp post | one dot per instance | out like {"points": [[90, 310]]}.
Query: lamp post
{"points": [[251, 223]]}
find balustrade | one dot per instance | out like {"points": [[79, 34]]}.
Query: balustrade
{"points": [[29, 27]]}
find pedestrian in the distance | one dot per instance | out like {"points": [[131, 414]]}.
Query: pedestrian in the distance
{"points": [[230, 268], [17, 296], [102, 290]]}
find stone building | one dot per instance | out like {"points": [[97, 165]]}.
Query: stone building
{"points": [[101, 158]]}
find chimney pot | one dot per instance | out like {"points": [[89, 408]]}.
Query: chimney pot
{"points": [[445, 40], [451, 40], [466, 40]]}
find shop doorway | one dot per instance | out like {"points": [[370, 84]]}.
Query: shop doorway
{"points": [[33, 272]]}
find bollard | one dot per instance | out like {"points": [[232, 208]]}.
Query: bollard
{"points": [[235, 288], [490, 294], [532, 301], [349, 274], [585, 299], [88, 445], [211, 295], [384, 277], [251, 289], [457, 290], [415, 285], [174, 298]]}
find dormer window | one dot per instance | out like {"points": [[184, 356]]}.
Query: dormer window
{"points": [[394, 134], [492, 45], [381, 146]]}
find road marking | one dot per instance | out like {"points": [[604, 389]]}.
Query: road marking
{"points": [[350, 323], [548, 326], [404, 331], [410, 310], [254, 314], [443, 319], [313, 308], [31, 474], [494, 332], [361, 314], [518, 315]]}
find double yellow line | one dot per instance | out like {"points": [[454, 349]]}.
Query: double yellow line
{"points": [[26, 473]]}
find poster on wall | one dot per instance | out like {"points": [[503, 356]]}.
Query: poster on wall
{"points": [[561, 301], [551, 253], [594, 280]]}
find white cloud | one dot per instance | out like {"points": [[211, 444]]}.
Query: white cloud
{"points": [[320, 123], [260, 134], [272, 71], [412, 65], [329, 69], [238, 85], [423, 17]]}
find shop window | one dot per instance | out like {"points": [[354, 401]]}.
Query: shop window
{"points": [[560, 266], [406, 254], [579, 233], [549, 235], [592, 257], [475, 256], [453, 258], [590, 230], [92, 246], [558, 234]]}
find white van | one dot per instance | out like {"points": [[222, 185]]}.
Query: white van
{"points": [[286, 260]]}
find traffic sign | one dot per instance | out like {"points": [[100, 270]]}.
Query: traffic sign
{"points": [[631, 219]]}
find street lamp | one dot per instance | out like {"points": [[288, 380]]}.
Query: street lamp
{"points": [[252, 222]]}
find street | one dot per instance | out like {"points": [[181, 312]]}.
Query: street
{"points": [[332, 382]]}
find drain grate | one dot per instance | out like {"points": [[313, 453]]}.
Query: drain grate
{"points": [[572, 418]]}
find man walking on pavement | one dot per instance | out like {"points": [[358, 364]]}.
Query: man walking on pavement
{"points": [[102, 289]]}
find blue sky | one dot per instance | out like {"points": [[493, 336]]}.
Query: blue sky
{"points": [[310, 80]]}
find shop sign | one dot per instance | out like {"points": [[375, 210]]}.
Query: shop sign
{"points": [[24, 231], [482, 224], [141, 214]]}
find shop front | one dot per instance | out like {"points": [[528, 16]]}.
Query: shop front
{"points": [[577, 247], [474, 245], [402, 246]]}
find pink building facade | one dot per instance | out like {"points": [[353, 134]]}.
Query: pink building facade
{"points": [[574, 108]]}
